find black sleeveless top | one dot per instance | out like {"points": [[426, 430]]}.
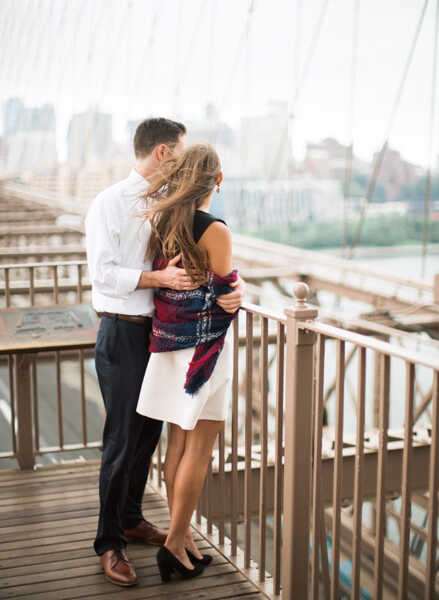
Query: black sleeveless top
{"points": [[202, 220]]}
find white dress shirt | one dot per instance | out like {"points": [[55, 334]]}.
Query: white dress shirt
{"points": [[116, 241]]}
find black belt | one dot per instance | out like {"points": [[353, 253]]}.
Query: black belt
{"points": [[132, 318]]}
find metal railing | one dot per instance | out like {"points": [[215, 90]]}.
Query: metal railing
{"points": [[30, 284], [27, 376], [288, 494], [288, 497]]}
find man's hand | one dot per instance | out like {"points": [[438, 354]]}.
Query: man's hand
{"points": [[232, 301], [170, 277], [175, 278]]}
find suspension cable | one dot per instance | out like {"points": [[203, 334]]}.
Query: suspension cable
{"points": [[382, 153], [351, 119], [431, 128]]}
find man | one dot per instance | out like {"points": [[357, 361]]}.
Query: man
{"points": [[122, 295]]}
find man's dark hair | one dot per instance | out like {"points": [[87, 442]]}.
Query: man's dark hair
{"points": [[151, 132]]}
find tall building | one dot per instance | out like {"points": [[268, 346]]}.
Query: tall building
{"points": [[327, 159], [264, 147], [18, 117], [89, 137], [209, 128], [30, 136], [30, 151], [13, 115], [396, 173], [131, 129]]}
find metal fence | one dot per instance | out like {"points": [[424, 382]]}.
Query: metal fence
{"points": [[287, 496]]}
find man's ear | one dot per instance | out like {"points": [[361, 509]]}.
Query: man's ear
{"points": [[160, 152]]}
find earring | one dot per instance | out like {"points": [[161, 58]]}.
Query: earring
{"points": [[218, 189]]}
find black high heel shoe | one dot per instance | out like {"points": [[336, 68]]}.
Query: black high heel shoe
{"points": [[205, 561], [169, 564]]}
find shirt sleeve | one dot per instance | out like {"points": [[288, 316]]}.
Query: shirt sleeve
{"points": [[102, 227]]}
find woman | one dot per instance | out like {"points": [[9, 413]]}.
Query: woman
{"points": [[187, 377]]}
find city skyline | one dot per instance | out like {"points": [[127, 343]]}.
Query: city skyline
{"points": [[169, 58], [89, 137]]}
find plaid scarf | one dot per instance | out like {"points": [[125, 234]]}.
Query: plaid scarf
{"points": [[192, 319]]}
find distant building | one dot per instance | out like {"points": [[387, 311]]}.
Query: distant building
{"points": [[13, 115], [132, 125], [211, 129], [81, 184], [19, 118], [30, 136], [2, 152], [264, 145], [89, 138], [31, 151], [395, 173], [252, 204], [328, 159]]}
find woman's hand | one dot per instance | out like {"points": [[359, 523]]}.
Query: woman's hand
{"points": [[232, 301]]}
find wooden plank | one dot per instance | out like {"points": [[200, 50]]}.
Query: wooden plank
{"points": [[27, 527], [200, 587], [15, 475], [93, 583], [54, 514], [47, 526], [8, 547], [243, 589], [57, 561], [67, 553], [91, 567]]}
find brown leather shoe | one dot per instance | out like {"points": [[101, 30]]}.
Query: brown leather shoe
{"points": [[117, 568], [147, 533]]}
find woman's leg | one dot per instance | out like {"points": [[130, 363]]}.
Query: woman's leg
{"points": [[174, 452], [188, 484]]}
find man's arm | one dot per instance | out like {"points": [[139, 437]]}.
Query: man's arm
{"points": [[103, 256], [103, 251]]}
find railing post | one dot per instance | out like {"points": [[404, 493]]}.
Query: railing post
{"points": [[298, 448], [436, 289], [25, 436]]}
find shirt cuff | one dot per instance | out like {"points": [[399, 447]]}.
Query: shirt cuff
{"points": [[127, 280]]}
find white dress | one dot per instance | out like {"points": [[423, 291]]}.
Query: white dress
{"points": [[163, 396]]}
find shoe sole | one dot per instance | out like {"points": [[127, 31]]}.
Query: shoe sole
{"points": [[120, 583]]}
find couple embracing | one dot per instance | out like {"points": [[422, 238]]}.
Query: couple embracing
{"points": [[164, 286]]}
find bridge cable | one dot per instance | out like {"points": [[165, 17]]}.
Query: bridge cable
{"points": [[274, 173], [431, 128], [189, 53], [239, 49], [351, 119], [382, 153]]}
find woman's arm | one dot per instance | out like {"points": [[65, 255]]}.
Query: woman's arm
{"points": [[217, 242]]}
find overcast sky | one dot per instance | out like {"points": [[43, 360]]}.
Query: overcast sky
{"points": [[170, 57]]}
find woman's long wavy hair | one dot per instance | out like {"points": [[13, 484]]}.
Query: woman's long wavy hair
{"points": [[176, 191]]}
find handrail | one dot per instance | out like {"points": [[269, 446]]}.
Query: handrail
{"points": [[371, 343], [264, 312], [64, 263]]}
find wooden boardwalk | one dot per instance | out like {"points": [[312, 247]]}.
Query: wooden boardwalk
{"points": [[47, 523]]}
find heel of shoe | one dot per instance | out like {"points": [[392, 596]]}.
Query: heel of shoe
{"points": [[165, 573]]}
